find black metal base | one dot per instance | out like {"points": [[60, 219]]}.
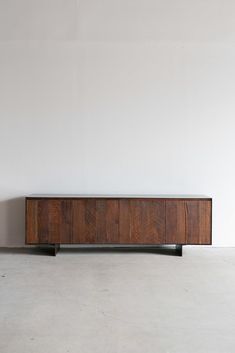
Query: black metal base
{"points": [[179, 249], [54, 248]]}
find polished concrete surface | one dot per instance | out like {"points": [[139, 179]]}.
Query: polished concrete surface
{"points": [[117, 301]]}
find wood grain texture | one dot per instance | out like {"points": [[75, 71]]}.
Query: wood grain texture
{"points": [[175, 222], [79, 230], [31, 226], [43, 222], [90, 220], [147, 222], [118, 221], [198, 222], [54, 221], [124, 221], [95, 221], [100, 229], [66, 221], [112, 221]]}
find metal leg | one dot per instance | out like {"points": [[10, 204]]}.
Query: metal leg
{"points": [[55, 249], [179, 249]]}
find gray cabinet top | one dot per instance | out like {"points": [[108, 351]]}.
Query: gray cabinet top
{"points": [[118, 196]]}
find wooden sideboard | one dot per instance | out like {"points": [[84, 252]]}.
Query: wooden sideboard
{"points": [[119, 220]]}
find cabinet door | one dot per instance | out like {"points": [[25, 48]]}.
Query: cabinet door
{"points": [[59, 221], [37, 221], [198, 221], [95, 221], [54, 221], [48, 221], [142, 221], [175, 222], [84, 221], [107, 221]]}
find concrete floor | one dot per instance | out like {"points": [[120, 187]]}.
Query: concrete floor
{"points": [[117, 302]]}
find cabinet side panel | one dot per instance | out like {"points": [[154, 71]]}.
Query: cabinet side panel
{"points": [[175, 222], [198, 222], [32, 222]]}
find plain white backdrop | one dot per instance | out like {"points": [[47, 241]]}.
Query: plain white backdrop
{"points": [[107, 96]]}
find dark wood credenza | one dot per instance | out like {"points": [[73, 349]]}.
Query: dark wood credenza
{"points": [[118, 220]]}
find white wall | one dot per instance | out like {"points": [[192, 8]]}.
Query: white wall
{"points": [[117, 96]]}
